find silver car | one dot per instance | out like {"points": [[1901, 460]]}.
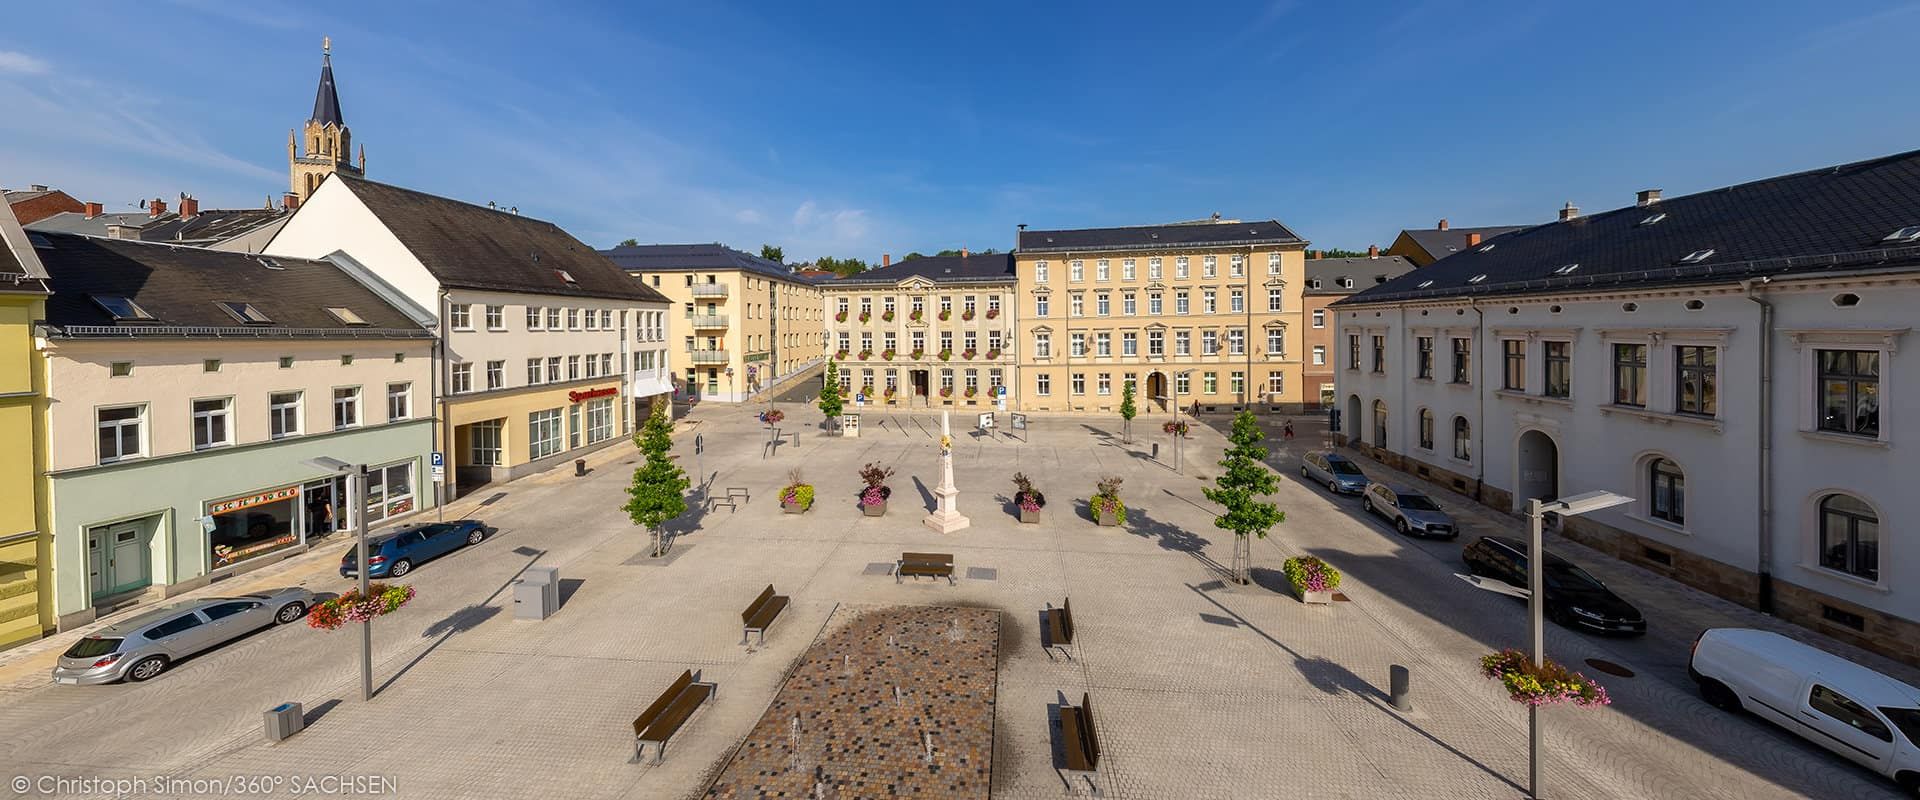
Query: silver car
{"points": [[1334, 471], [146, 645], [1412, 513]]}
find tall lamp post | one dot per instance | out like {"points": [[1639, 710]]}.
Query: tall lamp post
{"points": [[1536, 598], [1174, 392], [356, 475]]}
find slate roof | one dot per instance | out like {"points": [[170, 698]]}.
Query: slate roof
{"points": [[1833, 219], [1184, 234], [209, 227], [693, 257], [1364, 271], [1440, 244], [939, 269], [473, 247], [182, 286], [326, 101]]}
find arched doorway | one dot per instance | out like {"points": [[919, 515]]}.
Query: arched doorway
{"points": [[1538, 460], [1157, 389], [1351, 425], [1380, 424]]}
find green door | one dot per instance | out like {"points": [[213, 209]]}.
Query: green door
{"points": [[117, 558]]}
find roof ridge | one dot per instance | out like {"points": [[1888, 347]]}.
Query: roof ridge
{"points": [[431, 196]]}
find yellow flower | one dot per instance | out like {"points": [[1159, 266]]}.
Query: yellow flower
{"points": [[946, 442]]}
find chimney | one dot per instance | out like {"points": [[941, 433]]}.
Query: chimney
{"points": [[156, 207], [94, 210], [1473, 240], [1373, 251], [1646, 197], [189, 206], [963, 252], [1442, 225], [886, 259], [1570, 211], [289, 201], [118, 231]]}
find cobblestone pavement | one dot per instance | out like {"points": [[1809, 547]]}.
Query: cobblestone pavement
{"points": [[1204, 689]]}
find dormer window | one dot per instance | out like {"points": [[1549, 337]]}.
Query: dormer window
{"points": [[1566, 269], [1654, 218], [565, 275], [1346, 282], [121, 308], [1906, 234], [345, 315], [1313, 283], [1697, 256], [245, 312], [1477, 278]]}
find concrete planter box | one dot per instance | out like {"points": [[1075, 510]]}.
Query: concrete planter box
{"points": [[1029, 517], [878, 510], [793, 508], [1313, 598], [1105, 519]]}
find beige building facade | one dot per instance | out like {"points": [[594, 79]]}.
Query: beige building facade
{"points": [[738, 323], [1328, 280], [1205, 313], [934, 331]]}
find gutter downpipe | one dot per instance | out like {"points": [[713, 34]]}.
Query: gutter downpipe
{"points": [[1765, 479], [1480, 399], [444, 490]]}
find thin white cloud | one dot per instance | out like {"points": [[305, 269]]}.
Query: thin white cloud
{"points": [[21, 63]]}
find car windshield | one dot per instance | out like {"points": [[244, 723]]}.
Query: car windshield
{"points": [[435, 529], [1566, 575], [1907, 720], [1417, 502], [1343, 468], [93, 647]]}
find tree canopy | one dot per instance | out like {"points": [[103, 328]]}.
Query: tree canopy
{"points": [[840, 266], [629, 242], [830, 404], [773, 253], [1245, 479], [658, 491]]}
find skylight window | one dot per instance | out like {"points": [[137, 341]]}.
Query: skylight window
{"points": [[40, 241], [269, 263], [245, 312], [1654, 218], [1697, 256], [121, 308], [1566, 269], [1906, 234], [1424, 284], [345, 315], [565, 275], [1477, 278], [1487, 248]]}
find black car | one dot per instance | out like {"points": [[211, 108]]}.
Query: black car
{"points": [[1575, 599]]}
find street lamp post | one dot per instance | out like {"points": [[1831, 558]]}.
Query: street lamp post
{"points": [[356, 475], [1174, 391], [1536, 599]]}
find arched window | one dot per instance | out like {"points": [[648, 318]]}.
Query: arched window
{"points": [[1462, 439], [1669, 491], [1849, 536], [1379, 423], [1426, 429]]}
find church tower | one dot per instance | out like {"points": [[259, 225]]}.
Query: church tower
{"points": [[329, 145]]}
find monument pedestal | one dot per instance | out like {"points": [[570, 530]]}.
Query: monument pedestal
{"points": [[946, 517]]}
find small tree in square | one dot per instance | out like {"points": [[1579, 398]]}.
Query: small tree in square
{"points": [[830, 404], [658, 491], [1127, 411], [1245, 479]]}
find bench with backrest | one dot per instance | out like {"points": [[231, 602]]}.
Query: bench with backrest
{"points": [[1080, 737], [1059, 627], [929, 565], [661, 720], [761, 614]]}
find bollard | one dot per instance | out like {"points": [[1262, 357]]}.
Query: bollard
{"points": [[1156, 450], [579, 467], [1402, 694]]}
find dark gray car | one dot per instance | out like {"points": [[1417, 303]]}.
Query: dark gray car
{"points": [[146, 645], [1334, 471]]}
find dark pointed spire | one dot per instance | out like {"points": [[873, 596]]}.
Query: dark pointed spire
{"points": [[326, 103]]}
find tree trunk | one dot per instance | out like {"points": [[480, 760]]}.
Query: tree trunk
{"points": [[658, 548], [1242, 559]]}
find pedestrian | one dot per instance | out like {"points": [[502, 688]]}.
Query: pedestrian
{"points": [[1286, 430]]}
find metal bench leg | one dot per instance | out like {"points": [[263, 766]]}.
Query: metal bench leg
{"points": [[639, 750], [763, 637], [743, 634], [660, 755]]}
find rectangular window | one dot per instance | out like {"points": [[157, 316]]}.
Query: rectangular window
{"points": [[1462, 360], [400, 399], [1209, 266], [283, 414], [1630, 374], [1127, 305], [1100, 270], [573, 319], [1559, 369], [1236, 382], [1078, 383], [1076, 271], [1237, 266], [462, 381], [460, 316], [1043, 384], [1077, 344], [543, 433], [1103, 344], [1101, 304], [1513, 361], [573, 368], [1103, 383], [1379, 353], [553, 319], [1209, 343], [993, 305], [1209, 383], [1276, 343], [1180, 268], [1319, 318], [1180, 302], [1319, 355], [1126, 269], [1183, 383], [484, 443], [1153, 304], [210, 423], [606, 319], [346, 407], [1236, 342], [533, 318], [1424, 345], [553, 369], [496, 318], [1040, 305], [1043, 345], [1276, 299], [1353, 351], [599, 420], [1207, 302], [1182, 343], [1694, 380], [533, 372], [1153, 268], [496, 374], [1273, 263], [1849, 393], [1129, 344], [1276, 383], [593, 318], [1156, 343], [1039, 272], [1077, 306], [1236, 301]]}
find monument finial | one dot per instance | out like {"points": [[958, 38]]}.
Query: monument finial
{"points": [[326, 45]]}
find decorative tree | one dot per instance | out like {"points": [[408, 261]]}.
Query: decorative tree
{"points": [[1243, 481], [658, 491], [1127, 411], [830, 394]]}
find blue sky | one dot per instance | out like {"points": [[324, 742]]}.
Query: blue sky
{"points": [[856, 130]]}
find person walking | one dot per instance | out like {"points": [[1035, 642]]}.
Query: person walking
{"points": [[1286, 430]]}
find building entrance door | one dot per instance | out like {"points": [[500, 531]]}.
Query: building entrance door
{"points": [[1157, 389], [117, 559], [920, 383]]}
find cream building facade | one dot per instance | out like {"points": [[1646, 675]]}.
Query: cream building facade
{"points": [[934, 331], [740, 323], [1203, 312]]}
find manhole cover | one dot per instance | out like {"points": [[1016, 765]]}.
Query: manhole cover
{"points": [[1609, 667], [983, 574], [1341, 597]]}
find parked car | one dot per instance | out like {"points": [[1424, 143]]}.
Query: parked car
{"points": [[1334, 471], [144, 646], [1861, 714], [1575, 599], [394, 554], [1412, 513]]}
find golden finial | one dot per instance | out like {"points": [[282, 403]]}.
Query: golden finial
{"points": [[326, 45]]}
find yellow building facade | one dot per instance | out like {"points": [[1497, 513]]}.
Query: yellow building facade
{"points": [[1206, 313], [25, 610]]}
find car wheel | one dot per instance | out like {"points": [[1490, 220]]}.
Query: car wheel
{"points": [[1366, 504], [399, 568], [1303, 470], [289, 613], [1333, 486], [1402, 525], [1719, 696], [1908, 782], [147, 668], [476, 536]]}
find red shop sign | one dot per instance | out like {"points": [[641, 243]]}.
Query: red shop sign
{"points": [[580, 397]]}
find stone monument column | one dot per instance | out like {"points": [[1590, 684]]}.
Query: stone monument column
{"points": [[946, 517]]}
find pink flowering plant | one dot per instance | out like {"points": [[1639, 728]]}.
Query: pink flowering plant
{"points": [[1545, 685], [875, 477], [381, 599], [1310, 574]]}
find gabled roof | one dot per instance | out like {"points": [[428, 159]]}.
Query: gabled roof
{"points": [[473, 247], [939, 269], [691, 257], [1365, 272], [20, 264], [1831, 219], [326, 101], [204, 229], [182, 287], [1439, 243], [1140, 237]]}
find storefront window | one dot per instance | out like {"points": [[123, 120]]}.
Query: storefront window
{"points": [[543, 433], [599, 420], [253, 525], [389, 490]]}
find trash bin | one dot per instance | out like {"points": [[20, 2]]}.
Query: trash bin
{"points": [[579, 467], [537, 594], [285, 720]]}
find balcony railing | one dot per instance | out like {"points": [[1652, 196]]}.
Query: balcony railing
{"points": [[707, 321], [709, 290], [707, 356]]}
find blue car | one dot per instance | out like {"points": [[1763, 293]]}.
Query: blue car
{"points": [[394, 554]]}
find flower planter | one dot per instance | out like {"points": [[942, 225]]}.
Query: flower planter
{"points": [[793, 508], [1313, 580], [1313, 598], [1029, 517], [1106, 519], [875, 510]]}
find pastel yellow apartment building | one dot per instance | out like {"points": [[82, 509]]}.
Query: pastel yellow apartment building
{"points": [[25, 612], [1205, 313], [931, 331]]}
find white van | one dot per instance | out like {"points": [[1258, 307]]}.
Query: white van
{"points": [[1842, 706]]}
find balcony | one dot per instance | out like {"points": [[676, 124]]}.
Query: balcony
{"points": [[709, 290], [707, 322], [707, 356]]}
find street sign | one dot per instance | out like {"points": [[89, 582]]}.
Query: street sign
{"points": [[986, 421], [439, 467], [860, 400], [1019, 422]]}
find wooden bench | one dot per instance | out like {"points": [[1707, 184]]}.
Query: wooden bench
{"points": [[1059, 631], [1081, 740], [930, 565], [714, 504], [662, 719], [738, 493], [761, 614]]}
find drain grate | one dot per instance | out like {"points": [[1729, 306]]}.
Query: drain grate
{"points": [[1609, 667], [878, 568], [983, 574]]}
